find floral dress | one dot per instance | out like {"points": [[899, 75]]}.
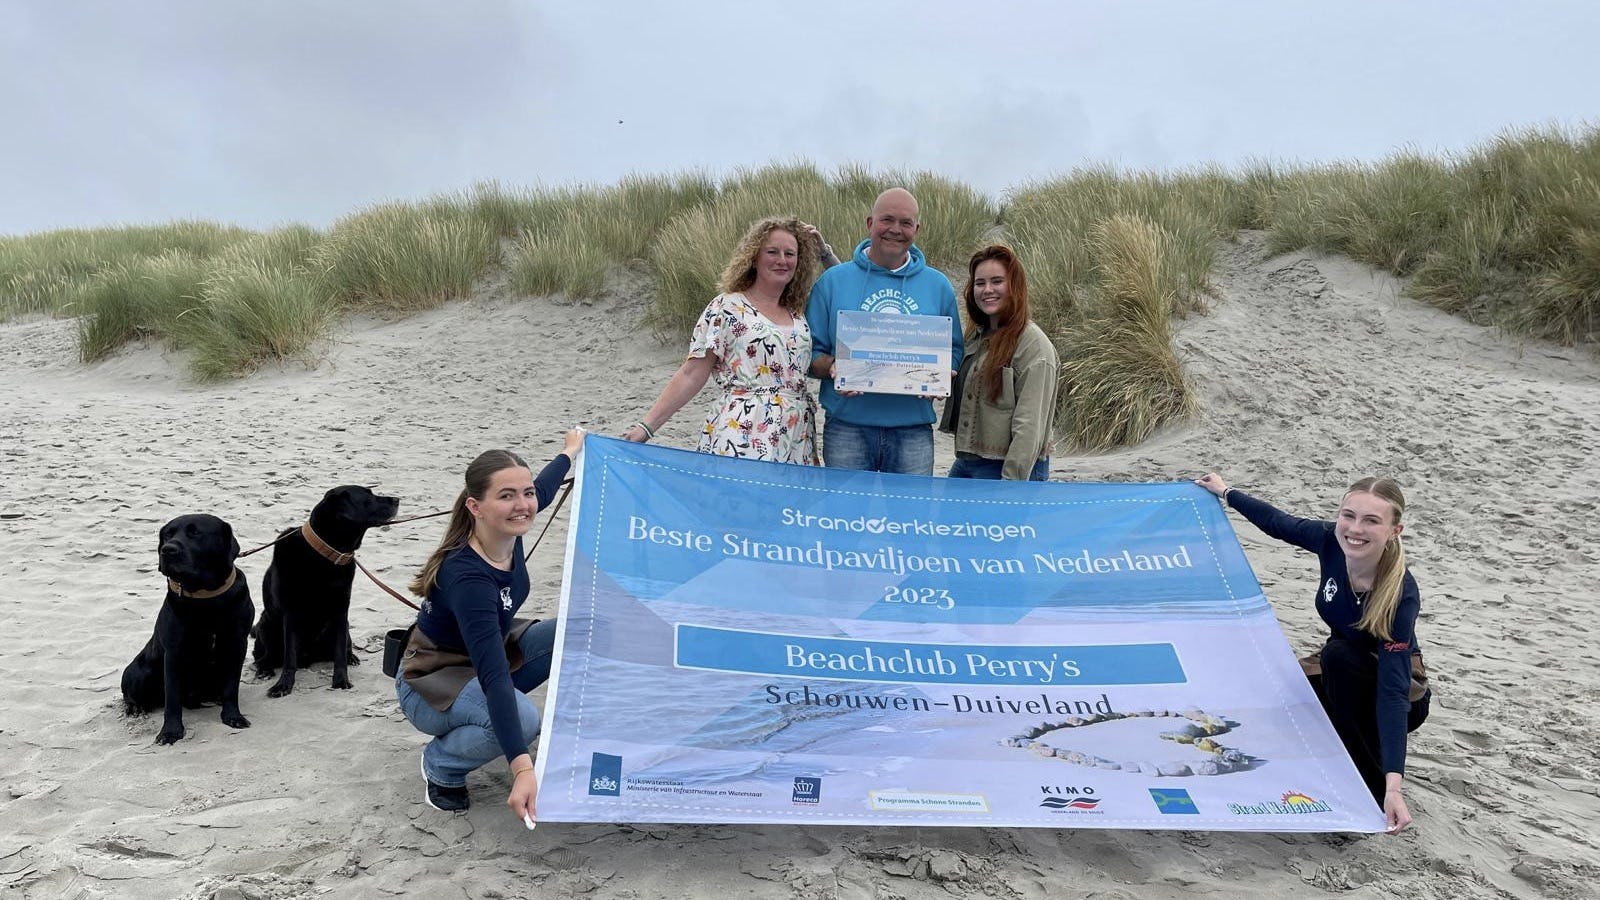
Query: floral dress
{"points": [[766, 411]]}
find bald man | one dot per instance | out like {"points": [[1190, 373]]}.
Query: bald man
{"points": [[880, 432]]}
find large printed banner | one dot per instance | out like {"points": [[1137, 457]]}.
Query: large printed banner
{"points": [[757, 642]]}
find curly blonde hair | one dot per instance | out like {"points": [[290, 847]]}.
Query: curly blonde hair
{"points": [[741, 271]]}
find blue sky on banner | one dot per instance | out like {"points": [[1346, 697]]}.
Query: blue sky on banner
{"points": [[298, 110]]}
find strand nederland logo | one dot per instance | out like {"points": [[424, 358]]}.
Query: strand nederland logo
{"points": [[605, 775], [1292, 803], [1068, 799], [807, 790], [1173, 802]]}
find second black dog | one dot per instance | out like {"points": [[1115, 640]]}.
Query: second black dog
{"points": [[197, 650], [305, 595]]}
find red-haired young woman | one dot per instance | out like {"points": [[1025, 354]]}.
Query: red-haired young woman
{"points": [[1003, 402]]}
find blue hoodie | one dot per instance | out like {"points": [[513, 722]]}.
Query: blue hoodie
{"points": [[861, 284]]}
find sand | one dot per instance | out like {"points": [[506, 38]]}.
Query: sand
{"points": [[1311, 371]]}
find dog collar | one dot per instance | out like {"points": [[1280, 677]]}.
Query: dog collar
{"points": [[182, 591], [323, 549]]}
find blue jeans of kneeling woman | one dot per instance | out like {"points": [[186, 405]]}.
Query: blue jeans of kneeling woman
{"points": [[463, 738]]}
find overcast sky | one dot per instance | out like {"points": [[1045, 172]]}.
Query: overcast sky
{"points": [[273, 111]]}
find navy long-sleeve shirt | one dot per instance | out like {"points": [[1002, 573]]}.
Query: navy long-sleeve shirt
{"points": [[471, 607], [1339, 606]]}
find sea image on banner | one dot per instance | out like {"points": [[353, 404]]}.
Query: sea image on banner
{"points": [[892, 353], [758, 642]]}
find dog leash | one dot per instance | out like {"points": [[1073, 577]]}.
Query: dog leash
{"points": [[566, 488], [389, 590], [442, 512]]}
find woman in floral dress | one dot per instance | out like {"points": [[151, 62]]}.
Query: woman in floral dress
{"points": [[753, 337]]}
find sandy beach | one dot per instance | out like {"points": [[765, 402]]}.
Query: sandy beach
{"points": [[1311, 371]]}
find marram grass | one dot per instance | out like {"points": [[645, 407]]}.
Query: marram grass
{"points": [[1120, 379], [1507, 233], [253, 312], [403, 257]]}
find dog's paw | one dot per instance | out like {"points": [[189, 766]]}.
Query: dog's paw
{"points": [[280, 689], [263, 674], [170, 735], [235, 720], [352, 659], [342, 684]]}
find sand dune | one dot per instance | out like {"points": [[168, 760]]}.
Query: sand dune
{"points": [[1312, 371]]}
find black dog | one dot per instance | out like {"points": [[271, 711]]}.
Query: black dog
{"points": [[305, 596], [197, 650]]}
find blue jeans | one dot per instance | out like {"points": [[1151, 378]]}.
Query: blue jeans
{"points": [[907, 450], [991, 468], [464, 739]]}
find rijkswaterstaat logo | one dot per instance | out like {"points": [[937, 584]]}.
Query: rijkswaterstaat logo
{"points": [[1292, 803], [1174, 802], [807, 790], [1069, 799], [605, 775]]}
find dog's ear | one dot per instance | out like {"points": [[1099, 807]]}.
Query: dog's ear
{"points": [[233, 543]]}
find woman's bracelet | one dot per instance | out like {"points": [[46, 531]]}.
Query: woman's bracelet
{"points": [[649, 432], [515, 773]]}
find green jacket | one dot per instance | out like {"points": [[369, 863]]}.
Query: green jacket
{"points": [[1016, 427]]}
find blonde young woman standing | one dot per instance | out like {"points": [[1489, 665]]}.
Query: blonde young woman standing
{"points": [[1003, 402], [753, 337], [1369, 600]]}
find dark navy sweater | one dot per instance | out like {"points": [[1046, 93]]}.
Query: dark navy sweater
{"points": [[470, 608], [1339, 607]]}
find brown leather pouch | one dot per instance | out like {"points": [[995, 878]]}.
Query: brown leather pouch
{"points": [[439, 673]]}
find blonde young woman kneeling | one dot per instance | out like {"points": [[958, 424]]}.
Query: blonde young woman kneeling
{"points": [[1370, 602]]}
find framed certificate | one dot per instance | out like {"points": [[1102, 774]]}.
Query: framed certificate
{"points": [[891, 353]]}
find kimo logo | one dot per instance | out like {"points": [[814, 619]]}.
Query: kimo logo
{"points": [[605, 775], [807, 790], [1065, 798]]}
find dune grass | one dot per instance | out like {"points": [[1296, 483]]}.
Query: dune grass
{"points": [[248, 298], [253, 312], [1504, 234], [691, 252], [1507, 234], [41, 273], [404, 257], [1120, 379], [579, 233], [1052, 224], [137, 298]]}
